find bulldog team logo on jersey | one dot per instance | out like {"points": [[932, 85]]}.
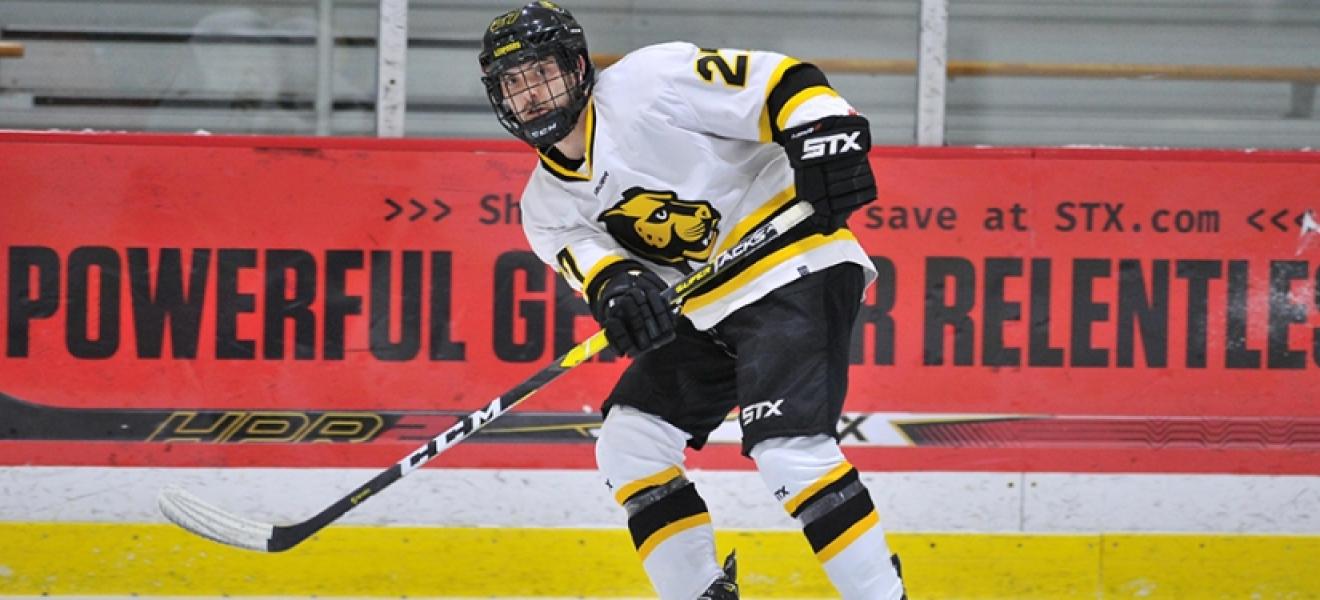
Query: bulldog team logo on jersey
{"points": [[661, 227]]}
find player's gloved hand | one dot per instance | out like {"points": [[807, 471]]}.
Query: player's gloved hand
{"points": [[830, 167], [632, 312]]}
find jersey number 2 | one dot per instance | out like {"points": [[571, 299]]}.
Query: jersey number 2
{"points": [[711, 63]]}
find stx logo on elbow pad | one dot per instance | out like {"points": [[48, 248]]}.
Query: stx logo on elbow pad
{"points": [[830, 145], [761, 410]]}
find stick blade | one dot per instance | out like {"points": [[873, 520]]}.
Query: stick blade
{"points": [[213, 523]]}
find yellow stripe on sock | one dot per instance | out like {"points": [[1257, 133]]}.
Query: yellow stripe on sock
{"points": [[662, 477], [671, 530], [870, 520], [792, 505]]}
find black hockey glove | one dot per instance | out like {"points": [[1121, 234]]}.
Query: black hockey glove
{"points": [[830, 167], [630, 309]]}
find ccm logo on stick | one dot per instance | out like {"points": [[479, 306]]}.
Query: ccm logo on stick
{"points": [[831, 144]]}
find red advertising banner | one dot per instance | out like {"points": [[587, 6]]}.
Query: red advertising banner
{"points": [[197, 300]]}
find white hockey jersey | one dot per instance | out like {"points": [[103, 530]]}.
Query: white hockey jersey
{"points": [[680, 164]]}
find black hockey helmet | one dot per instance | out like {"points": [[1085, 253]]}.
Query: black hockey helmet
{"points": [[520, 39]]}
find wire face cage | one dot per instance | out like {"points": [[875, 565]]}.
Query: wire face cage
{"points": [[539, 98]]}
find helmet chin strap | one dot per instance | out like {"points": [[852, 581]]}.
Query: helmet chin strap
{"points": [[546, 130]]}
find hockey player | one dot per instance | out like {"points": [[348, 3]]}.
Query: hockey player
{"points": [[647, 170]]}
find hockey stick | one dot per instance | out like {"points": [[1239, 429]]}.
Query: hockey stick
{"points": [[192, 513]]}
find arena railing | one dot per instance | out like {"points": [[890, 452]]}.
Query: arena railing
{"points": [[1303, 79], [11, 50]]}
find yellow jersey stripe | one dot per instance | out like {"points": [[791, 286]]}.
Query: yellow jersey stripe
{"points": [[591, 143], [757, 217], [798, 99], [784, 65], [590, 135], [837, 472], [561, 170], [662, 477], [762, 266], [597, 268], [671, 530], [843, 541], [568, 266]]}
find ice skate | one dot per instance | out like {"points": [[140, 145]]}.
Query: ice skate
{"points": [[725, 586]]}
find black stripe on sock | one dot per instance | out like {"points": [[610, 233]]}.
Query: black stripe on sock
{"points": [[828, 528], [683, 503], [832, 488]]}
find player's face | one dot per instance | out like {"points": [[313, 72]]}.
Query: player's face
{"points": [[535, 88]]}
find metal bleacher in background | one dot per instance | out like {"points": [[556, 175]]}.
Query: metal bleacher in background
{"points": [[1179, 73]]}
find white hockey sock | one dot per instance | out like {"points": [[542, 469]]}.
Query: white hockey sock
{"points": [[861, 569], [641, 457], [824, 492], [682, 564]]}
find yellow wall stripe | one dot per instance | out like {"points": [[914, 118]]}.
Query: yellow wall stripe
{"points": [[761, 266], [796, 501], [636, 486], [797, 100], [96, 559], [843, 541], [671, 530]]}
